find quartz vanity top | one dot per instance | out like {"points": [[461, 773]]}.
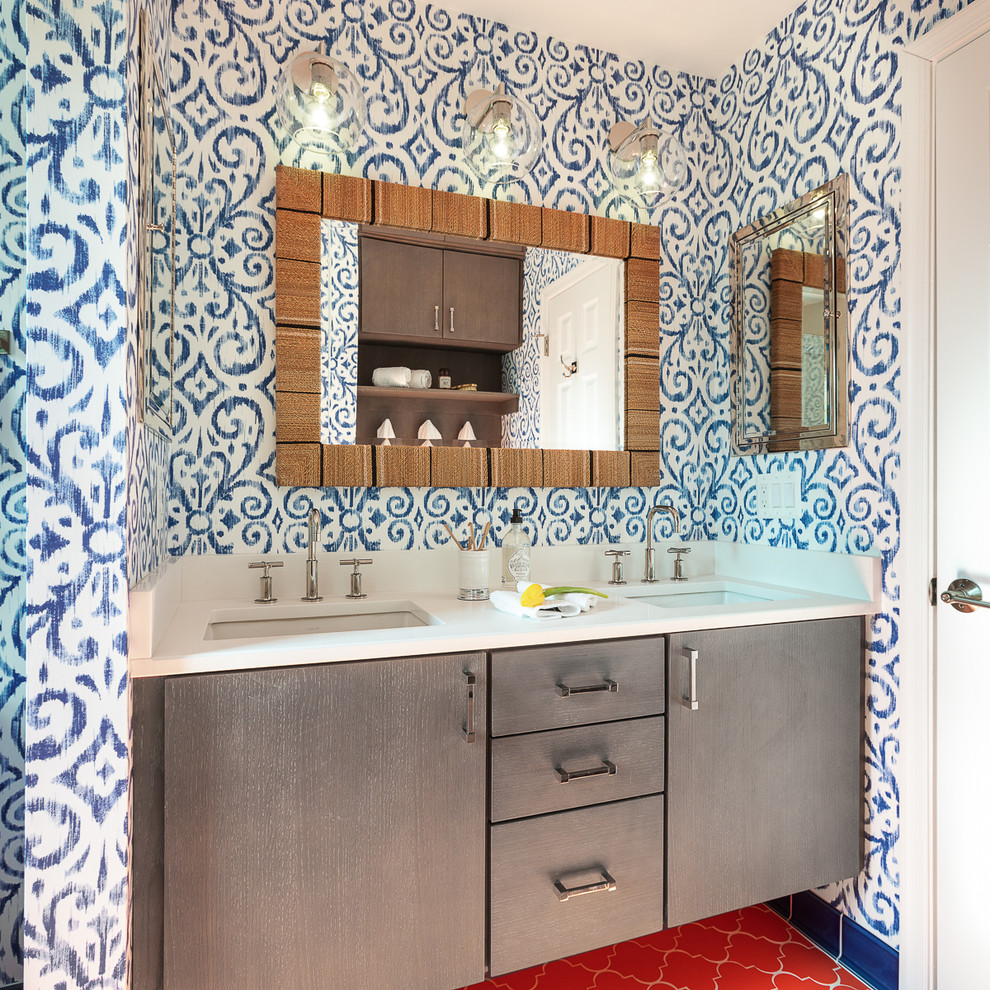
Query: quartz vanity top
{"points": [[849, 586]]}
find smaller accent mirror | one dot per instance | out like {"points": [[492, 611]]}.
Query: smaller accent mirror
{"points": [[156, 277], [790, 325]]}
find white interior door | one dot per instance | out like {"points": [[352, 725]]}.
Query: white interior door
{"points": [[581, 314], [962, 661]]}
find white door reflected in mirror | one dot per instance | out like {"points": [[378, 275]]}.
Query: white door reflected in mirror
{"points": [[580, 375]]}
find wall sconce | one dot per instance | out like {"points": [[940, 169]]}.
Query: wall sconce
{"points": [[321, 103], [501, 135], [645, 163]]}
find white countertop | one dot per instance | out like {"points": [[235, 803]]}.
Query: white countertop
{"points": [[813, 590]]}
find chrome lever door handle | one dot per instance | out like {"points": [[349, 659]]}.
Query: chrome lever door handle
{"points": [[964, 596]]}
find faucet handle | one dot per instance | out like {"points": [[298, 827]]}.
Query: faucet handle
{"points": [[356, 591], [266, 580], [679, 562], [617, 556]]}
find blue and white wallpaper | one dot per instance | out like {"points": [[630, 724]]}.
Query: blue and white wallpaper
{"points": [[822, 94], [13, 494], [339, 332]]}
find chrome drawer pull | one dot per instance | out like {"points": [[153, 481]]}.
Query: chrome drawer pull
{"points": [[610, 686], [607, 767], [690, 700], [468, 728], [565, 893]]}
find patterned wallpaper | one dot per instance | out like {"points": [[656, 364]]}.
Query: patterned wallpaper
{"points": [[339, 332], [820, 94], [418, 62], [13, 552]]}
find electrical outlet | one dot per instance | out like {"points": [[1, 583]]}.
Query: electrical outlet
{"points": [[778, 496]]}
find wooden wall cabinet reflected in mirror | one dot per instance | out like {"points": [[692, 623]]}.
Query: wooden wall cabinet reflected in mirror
{"points": [[790, 326], [304, 198]]}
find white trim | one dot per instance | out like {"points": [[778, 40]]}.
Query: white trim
{"points": [[917, 510]]}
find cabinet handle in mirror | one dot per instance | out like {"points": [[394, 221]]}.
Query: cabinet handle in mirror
{"points": [[690, 700], [451, 320], [607, 767], [436, 319], [606, 884], [607, 685], [468, 728]]}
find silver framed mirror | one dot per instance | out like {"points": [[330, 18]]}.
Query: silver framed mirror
{"points": [[156, 277], [790, 325]]}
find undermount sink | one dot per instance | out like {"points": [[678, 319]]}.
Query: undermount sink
{"points": [[707, 593], [302, 620]]}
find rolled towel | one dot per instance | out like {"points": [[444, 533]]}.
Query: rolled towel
{"points": [[420, 379], [391, 377], [557, 608]]}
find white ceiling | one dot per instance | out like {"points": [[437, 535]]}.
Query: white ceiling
{"points": [[703, 37]]}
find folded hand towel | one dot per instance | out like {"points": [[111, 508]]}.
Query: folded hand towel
{"points": [[420, 379], [391, 377], [508, 601]]}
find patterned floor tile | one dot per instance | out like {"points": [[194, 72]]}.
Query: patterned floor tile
{"points": [[751, 949]]}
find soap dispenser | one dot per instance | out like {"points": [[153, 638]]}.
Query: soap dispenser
{"points": [[515, 551]]}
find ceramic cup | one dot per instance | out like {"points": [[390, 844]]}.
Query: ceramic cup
{"points": [[472, 574]]}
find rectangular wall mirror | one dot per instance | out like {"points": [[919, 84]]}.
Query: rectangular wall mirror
{"points": [[558, 385], [790, 325], [547, 320], [156, 277]]}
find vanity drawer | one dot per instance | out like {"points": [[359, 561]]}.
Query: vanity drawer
{"points": [[626, 759], [552, 687], [531, 924]]}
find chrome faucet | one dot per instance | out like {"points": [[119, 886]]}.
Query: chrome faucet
{"points": [[312, 565], [650, 573]]}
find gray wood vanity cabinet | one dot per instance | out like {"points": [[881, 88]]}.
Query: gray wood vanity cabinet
{"points": [[765, 775], [325, 827]]}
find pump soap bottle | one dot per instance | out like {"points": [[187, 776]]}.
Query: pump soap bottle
{"points": [[515, 551]]}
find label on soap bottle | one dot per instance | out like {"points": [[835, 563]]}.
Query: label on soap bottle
{"points": [[518, 564]]}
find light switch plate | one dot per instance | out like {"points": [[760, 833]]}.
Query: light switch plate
{"points": [[778, 496]]}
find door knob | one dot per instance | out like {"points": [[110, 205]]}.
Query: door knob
{"points": [[964, 596]]}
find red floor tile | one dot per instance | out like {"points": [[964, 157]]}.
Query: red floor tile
{"points": [[752, 949]]}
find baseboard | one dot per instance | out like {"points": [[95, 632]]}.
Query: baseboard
{"points": [[859, 950]]}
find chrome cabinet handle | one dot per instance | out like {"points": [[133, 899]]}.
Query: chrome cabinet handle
{"points": [[451, 320], [566, 893], [607, 685], [607, 767], [964, 596], [468, 727], [690, 700], [436, 319]]}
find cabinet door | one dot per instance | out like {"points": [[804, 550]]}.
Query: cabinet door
{"points": [[401, 289], [765, 777], [325, 827], [485, 293]]}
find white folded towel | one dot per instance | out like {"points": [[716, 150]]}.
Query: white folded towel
{"points": [[557, 608], [391, 377], [420, 379]]}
